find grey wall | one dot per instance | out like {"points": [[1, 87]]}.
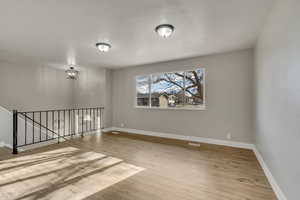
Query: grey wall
{"points": [[89, 89], [278, 95], [229, 86], [32, 87], [108, 99], [93, 89], [35, 87]]}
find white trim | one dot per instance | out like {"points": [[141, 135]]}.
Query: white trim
{"points": [[183, 137], [107, 129], [5, 110], [200, 108], [3, 144], [279, 193]]}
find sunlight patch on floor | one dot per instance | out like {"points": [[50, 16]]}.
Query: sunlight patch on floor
{"points": [[65, 173]]}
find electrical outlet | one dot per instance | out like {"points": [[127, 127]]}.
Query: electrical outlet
{"points": [[228, 136], [122, 124]]}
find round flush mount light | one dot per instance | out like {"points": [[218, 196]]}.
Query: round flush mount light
{"points": [[164, 30], [103, 47]]}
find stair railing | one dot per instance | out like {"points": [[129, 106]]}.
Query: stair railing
{"points": [[35, 127]]}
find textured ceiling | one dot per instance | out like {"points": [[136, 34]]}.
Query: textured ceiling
{"points": [[58, 32]]}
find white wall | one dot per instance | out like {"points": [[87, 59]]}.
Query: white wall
{"points": [[278, 96], [229, 87], [6, 127]]}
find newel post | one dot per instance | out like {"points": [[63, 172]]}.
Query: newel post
{"points": [[15, 132]]}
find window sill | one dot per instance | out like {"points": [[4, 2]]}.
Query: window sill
{"points": [[203, 108]]}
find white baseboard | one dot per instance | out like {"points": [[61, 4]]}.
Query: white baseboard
{"points": [[182, 137], [107, 129], [279, 193], [3, 144]]}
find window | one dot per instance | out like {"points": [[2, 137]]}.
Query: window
{"points": [[182, 89], [143, 90]]}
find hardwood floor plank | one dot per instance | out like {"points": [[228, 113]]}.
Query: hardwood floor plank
{"points": [[172, 170]]}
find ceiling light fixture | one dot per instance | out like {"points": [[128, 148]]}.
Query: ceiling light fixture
{"points": [[103, 47], [164, 30], [72, 73]]}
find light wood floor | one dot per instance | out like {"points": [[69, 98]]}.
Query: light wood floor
{"points": [[171, 170]]}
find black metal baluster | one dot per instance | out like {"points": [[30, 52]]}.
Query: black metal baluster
{"points": [[94, 118], [33, 128], [25, 128], [73, 122], [101, 118], [90, 119], [77, 122], [70, 133], [15, 132], [86, 121], [64, 122], [97, 118], [82, 123], [73, 130], [53, 129], [40, 126], [58, 125], [47, 125], [90, 129]]}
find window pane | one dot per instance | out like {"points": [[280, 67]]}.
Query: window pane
{"points": [[142, 88], [167, 90], [194, 88]]}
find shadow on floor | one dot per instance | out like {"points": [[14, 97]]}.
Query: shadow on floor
{"points": [[65, 173]]}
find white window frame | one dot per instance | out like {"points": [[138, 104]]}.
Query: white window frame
{"points": [[203, 107]]}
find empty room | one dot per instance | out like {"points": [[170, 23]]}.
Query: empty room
{"points": [[149, 100]]}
